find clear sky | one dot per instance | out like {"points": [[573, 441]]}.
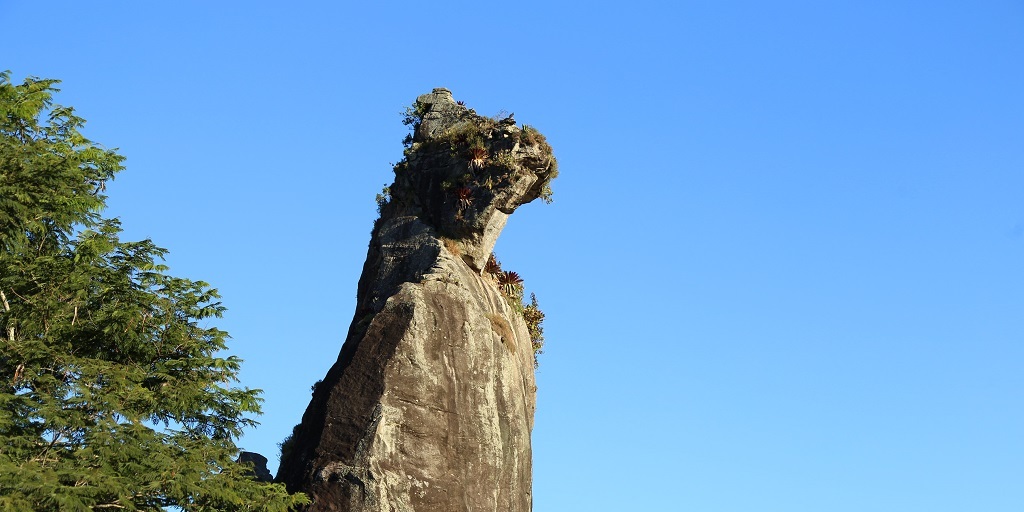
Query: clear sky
{"points": [[784, 268]]}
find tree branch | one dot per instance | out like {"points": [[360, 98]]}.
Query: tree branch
{"points": [[7, 309]]}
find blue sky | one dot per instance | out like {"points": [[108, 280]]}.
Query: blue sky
{"points": [[783, 268]]}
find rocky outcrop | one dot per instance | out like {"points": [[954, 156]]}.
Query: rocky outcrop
{"points": [[430, 404], [259, 471]]}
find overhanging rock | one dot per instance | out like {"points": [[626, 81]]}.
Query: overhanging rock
{"points": [[431, 402]]}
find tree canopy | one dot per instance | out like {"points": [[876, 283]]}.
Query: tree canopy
{"points": [[113, 391]]}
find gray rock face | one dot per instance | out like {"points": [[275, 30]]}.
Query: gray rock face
{"points": [[430, 404], [259, 466]]}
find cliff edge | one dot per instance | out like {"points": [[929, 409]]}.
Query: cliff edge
{"points": [[430, 404]]}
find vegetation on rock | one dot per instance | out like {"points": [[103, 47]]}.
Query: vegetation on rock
{"points": [[534, 323], [488, 145], [113, 394], [511, 285], [475, 157]]}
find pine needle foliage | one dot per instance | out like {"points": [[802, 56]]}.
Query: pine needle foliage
{"points": [[113, 392]]}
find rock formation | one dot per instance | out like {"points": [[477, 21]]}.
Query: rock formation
{"points": [[259, 466], [430, 404]]}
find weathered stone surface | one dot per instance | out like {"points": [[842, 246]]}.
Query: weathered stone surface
{"points": [[430, 404], [259, 466]]}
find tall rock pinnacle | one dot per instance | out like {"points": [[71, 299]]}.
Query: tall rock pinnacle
{"points": [[430, 404]]}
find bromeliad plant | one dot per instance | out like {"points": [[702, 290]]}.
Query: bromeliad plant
{"points": [[477, 157], [493, 266], [511, 284], [465, 195]]}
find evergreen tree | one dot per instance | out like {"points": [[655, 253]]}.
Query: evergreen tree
{"points": [[113, 394]]}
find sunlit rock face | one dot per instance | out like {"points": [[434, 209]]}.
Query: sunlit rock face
{"points": [[431, 402]]}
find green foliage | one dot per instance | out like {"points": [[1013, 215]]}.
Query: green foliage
{"points": [[465, 136], [534, 323], [413, 114], [505, 160], [383, 198], [530, 136], [469, 140], [112, 390], [511, 286], [52, 175], [287, 445]]}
